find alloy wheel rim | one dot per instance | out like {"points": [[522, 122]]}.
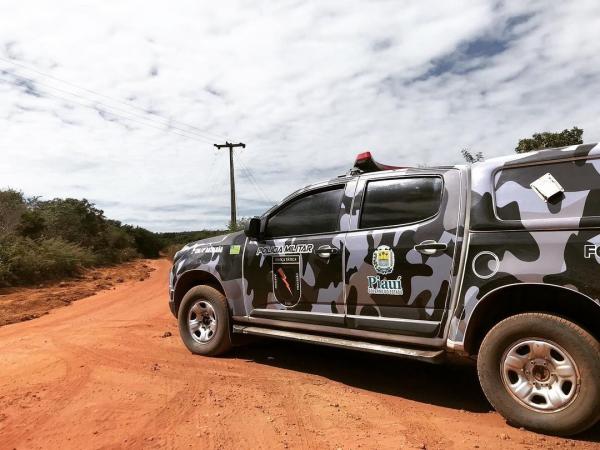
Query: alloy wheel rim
{"points": [[540, 374], [202, 321]]}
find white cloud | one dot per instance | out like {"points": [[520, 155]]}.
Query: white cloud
{"points": [[306, 85]]}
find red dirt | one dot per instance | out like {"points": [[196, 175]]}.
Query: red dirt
{"points": [[102, 374], [21, 304]]}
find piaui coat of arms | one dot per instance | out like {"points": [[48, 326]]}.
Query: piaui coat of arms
{"points": [[383, 260]]}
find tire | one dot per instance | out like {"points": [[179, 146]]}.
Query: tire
{"points": [[551, 352], [204, 324]]}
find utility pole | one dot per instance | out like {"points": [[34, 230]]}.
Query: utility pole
{"points": [[231, 146]]}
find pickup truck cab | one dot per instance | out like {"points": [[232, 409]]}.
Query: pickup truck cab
{"points": [[498, 262]]}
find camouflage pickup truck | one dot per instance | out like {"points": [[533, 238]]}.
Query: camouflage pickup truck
{"points": [[498, 262]]}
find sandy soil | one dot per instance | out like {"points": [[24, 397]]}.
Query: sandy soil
{"points": [[105, 373]]}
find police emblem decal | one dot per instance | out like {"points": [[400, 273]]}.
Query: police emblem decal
{"points": [[383, 263], [383, 260], [287, 288]]}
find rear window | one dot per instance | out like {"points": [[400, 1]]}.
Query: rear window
{"points": [[400, 201], [580, 180]]}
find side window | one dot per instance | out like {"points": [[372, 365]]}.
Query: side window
{"points": [[400, 201], [579, 179], [314, 213]]}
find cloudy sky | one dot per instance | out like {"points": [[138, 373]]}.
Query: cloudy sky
{"points": [[120, 101]]}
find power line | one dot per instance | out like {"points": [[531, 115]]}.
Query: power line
{"points": [[111, 108], [122, 117], [212, 173], [255, 186], [142, 119], [128, 104], [96, 107], [252, 180], [167, 121]]}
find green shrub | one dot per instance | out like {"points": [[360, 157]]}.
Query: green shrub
{"points": [[32, 224], [25, 261], [50, 239], [12, 207], [19, 260], [146, 242], [114, 245], [61, 258], [171, 250], [73, 220], [185, 237]]}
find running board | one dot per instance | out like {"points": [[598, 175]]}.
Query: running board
{"points": [[432, 356]]}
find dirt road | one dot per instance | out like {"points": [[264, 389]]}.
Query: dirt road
{"points": [[19, 304], [103, 373]]}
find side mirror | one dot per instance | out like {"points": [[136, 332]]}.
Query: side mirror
{"points": [[252, 229]]}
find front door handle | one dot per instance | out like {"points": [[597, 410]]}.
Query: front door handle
{"points": [[430, 247], [325, 251]]}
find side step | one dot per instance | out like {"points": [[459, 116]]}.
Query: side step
{"points": [[432, 356]]}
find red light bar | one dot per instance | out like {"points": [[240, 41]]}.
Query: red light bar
{"points": [[363, 156], [365, 163]]}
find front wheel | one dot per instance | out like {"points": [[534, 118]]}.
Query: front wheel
{"points": [[204, 321], [542, 372]]}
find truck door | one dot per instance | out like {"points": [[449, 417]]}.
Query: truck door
{"points": [[295, 272], [400, 251]]}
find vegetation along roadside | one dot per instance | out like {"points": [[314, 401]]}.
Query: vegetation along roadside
{"points": [[44, 240]]}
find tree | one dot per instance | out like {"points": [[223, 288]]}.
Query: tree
{"points": [[147, 243], [471, 158], [73, 220], [12, 206], [32, 224], [547, 139], [239, 226]]}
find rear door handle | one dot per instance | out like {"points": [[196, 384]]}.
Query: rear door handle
{"points": [[430, 247], [325, 251]]}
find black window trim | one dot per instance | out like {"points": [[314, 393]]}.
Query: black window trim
{"points": [[302, 194], [407, 224]]}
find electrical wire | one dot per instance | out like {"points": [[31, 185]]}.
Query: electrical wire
{"points": [[255, 186], [164, 125], [141, 119], [212, 174], [169, 122], [111, 109], [96, 107], [252, 180]]}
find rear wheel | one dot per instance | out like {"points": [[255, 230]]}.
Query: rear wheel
{"points": [[542, 372], [204, 323]]}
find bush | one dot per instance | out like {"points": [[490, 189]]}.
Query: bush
{"points": [[146, 242], [60, 258], [12, 207], [185, 237], [114, 245], [32, 224], [51, 239], [23, 260], [73, 220], [170, 251]]}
